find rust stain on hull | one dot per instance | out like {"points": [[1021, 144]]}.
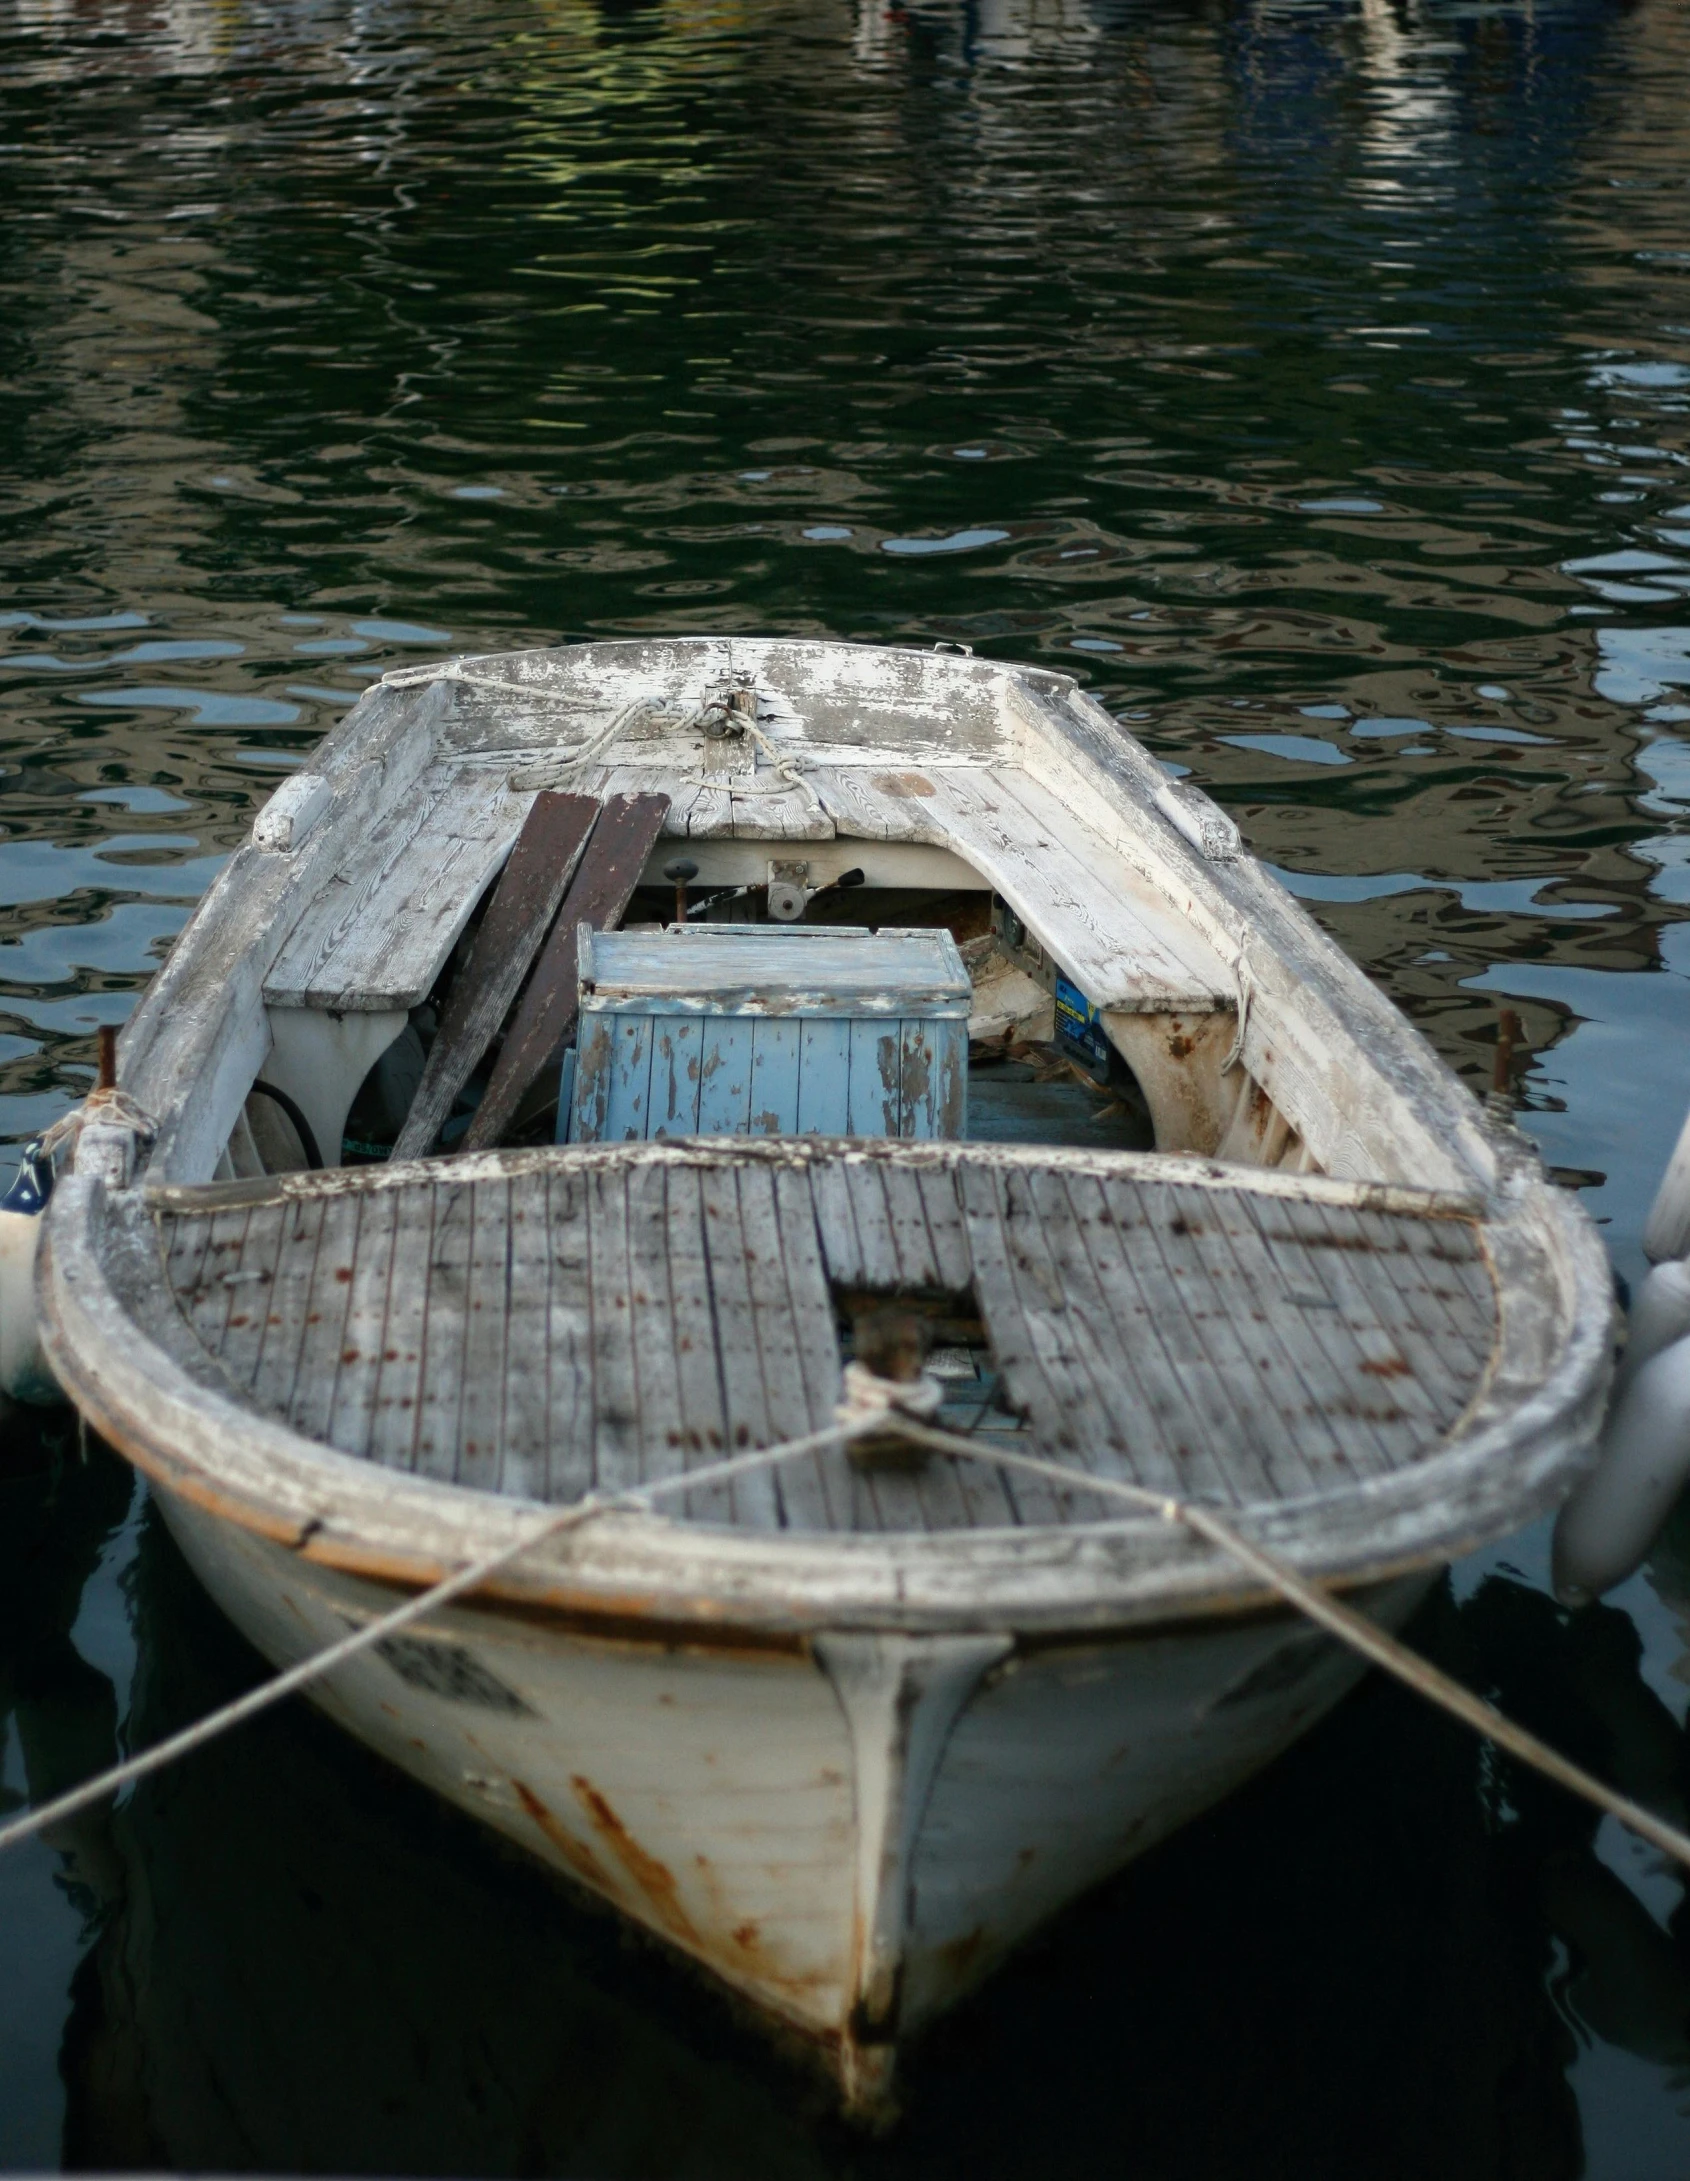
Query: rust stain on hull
{"points": [[750, 1957], [655, 1880], [580, 1858]]}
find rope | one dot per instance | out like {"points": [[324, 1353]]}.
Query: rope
{"points": [[1246, 993], [456, 670], [872, 1404], [311, 1669], [103, 1103], [1355, 1629], [553, 771], [789, 780], [867, 1398], [787, 766]]}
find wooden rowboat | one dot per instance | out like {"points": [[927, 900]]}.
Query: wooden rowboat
{"points": [[844, 1730]]}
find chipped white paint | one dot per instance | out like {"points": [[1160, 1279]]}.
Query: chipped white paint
{"points": [[850, 1836], [1202, 821]]}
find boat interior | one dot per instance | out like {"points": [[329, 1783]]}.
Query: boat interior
{"points": [[1098, 1018], [864, 1050]]}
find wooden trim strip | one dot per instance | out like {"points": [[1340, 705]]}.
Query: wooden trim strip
{"points": [[1146, 1167]]}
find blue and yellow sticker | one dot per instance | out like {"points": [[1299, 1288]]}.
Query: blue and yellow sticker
{"points": [[1077, 1023]]}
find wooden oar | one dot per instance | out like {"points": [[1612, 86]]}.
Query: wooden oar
{"points": [[601, 889], [525, 900]]}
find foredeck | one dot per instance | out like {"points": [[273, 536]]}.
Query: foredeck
{"points": [[543, 1323]]}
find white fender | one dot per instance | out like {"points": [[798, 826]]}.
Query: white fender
{"points": [[1606, 1529], [1660, 1314], [1666, 1232], [24, 1375]]}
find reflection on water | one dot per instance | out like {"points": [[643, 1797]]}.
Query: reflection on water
{"points": [[1310, 376]]}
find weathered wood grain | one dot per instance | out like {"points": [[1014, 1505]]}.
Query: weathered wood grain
{"points": [[328, 1302], [378, 932], [543, 1323], [792, 1325], [1298, 1371], [486, 1358], [698, 1366], [618, 1456], [1031, 1388], [528, 1360], [211, 1298], [572, 1389], [525, 899], [1124, 947], [756, 1503], [397, 1401], [276, 1370], [664, 1421], [445, 1278], [601, 888], [358, 1372]]}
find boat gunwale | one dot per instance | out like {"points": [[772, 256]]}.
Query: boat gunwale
{"points": [[1172, 1168], [345, 1511]]}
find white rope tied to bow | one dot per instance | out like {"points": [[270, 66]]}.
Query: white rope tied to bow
{"points": [[105, 1104], [788, 780], [871, 1404], [553, 770], [785, 763]]}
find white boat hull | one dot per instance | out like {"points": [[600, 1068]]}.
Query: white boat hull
{"points": [[752, 1803]]}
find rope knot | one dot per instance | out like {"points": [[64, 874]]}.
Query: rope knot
{"points": [[869, 1411], [105, 1104]]}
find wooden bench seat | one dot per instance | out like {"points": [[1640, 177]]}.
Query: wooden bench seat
{"points": [[378, 934]]}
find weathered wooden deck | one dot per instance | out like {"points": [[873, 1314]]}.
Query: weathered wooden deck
{"points": [[577, 1319]]}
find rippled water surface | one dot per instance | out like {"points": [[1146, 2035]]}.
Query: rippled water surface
{"points": [[1314, 380]]}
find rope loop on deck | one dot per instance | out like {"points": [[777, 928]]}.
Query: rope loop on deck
{"points": [[870, 1399], [556, 769]]}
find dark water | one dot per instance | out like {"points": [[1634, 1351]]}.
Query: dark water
{"points": [[1314, 379]]}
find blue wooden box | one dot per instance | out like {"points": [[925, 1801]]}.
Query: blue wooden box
{"points": [[770, 1030]]}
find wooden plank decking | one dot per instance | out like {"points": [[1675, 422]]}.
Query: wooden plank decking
{"points": [[571, 1320]]}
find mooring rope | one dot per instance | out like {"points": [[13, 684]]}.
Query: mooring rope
{"points": [[558, 766], [1363, 1636], [639, 1500], [874, 1405]]}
